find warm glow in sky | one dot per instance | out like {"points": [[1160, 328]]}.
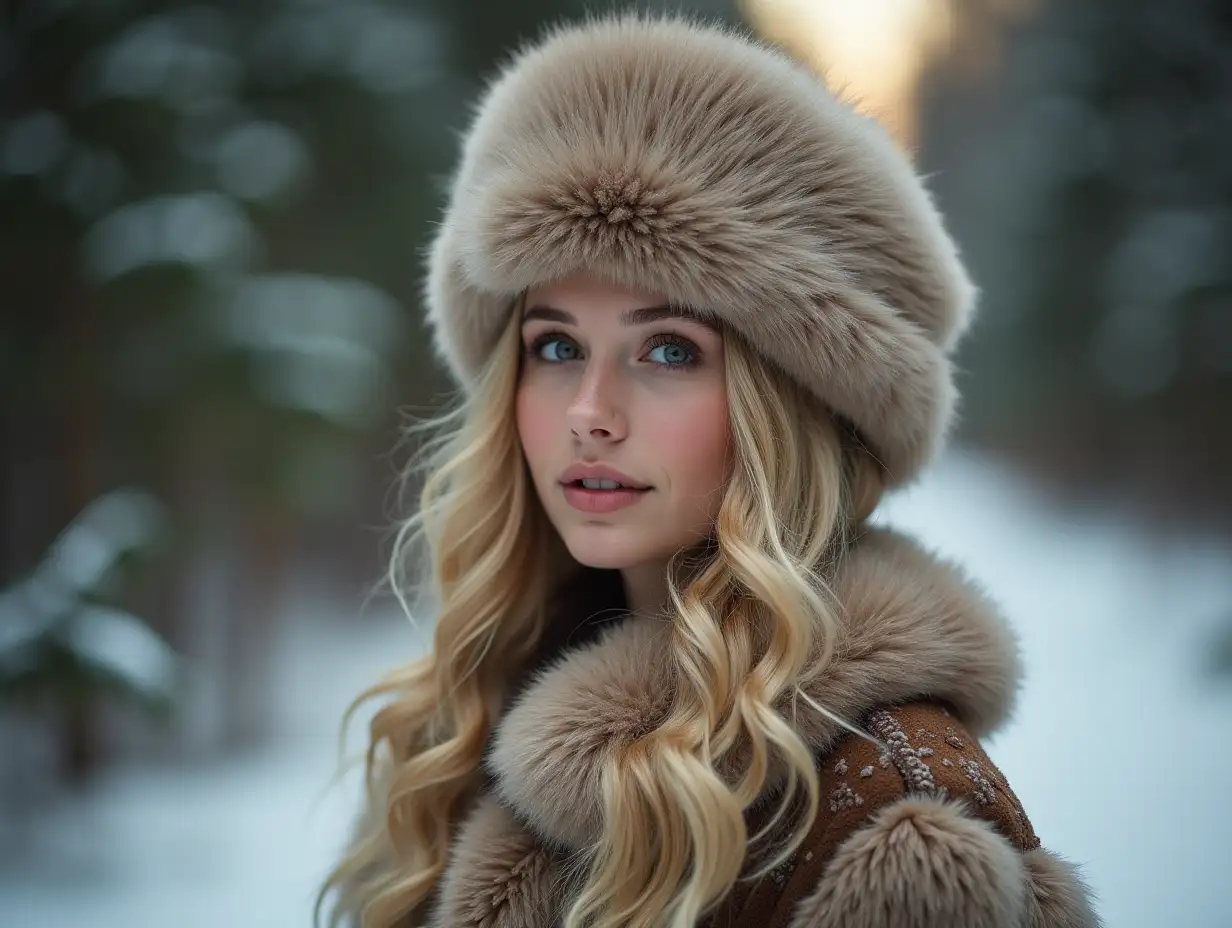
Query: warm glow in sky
{"points": [[872, 50]]}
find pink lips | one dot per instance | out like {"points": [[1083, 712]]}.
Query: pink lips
{"points": [[587, 500], [577, 472], [581, 498]]}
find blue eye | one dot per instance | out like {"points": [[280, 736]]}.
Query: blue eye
{"points": [[558, 348], [673, 352], [670, 352]]}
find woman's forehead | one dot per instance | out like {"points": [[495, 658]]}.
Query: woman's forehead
{"points": [[572, 299], [642, 315]]}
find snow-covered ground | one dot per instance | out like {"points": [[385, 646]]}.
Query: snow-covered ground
{"points": [[1119, 749], [240, 843], [1119, 744]]}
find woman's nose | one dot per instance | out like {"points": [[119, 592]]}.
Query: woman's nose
{"points": [[597, 410]]}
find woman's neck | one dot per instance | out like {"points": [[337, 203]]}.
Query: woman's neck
{"points": [[646, 587]]}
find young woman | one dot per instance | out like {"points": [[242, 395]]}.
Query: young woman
{"points": [[702, 314]]}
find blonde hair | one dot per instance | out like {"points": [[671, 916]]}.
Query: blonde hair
{"points": [[754, 620]]}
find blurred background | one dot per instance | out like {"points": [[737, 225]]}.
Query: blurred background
{"points": [[211, 223]]}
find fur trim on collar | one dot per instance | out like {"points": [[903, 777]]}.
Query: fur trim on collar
{"points": [[915, 626]]}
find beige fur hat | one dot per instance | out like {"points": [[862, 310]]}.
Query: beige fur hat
{"points": [[691, 159]]}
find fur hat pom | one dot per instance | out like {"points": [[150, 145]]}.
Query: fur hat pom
{"points": [[687, 158]]}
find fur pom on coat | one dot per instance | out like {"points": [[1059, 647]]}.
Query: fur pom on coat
{"points": [[940, 842]]}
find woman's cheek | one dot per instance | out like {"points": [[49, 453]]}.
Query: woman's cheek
{"points": [[692, 439], [535, 423]]}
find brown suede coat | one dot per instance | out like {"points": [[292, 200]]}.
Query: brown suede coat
{"points": [[920, 831], [924, 751]]}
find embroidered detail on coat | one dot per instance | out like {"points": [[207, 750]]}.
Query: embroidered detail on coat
{"points": [[917, 774], [983, 792], [845, 798], [783, 871]]}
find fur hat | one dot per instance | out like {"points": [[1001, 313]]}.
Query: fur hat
{"points": [[688, 158]]}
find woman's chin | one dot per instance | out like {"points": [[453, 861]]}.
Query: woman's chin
{"points": [[593, 556], [604, 549], [623, 547]]}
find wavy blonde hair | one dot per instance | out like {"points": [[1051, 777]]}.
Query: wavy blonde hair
{"points": [[754, 620]]}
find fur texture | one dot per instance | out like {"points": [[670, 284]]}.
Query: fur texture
{"points": [[500, 875], [921, 863], [697, 161], [914, 627], [1059, 897]]}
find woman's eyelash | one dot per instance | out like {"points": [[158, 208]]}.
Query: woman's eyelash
{"points": [[659, 341], [536, 345]]}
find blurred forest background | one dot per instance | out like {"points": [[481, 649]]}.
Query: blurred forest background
{"points": [[211, 223]]}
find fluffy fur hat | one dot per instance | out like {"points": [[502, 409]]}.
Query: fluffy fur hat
{"points": [[692, 159]]}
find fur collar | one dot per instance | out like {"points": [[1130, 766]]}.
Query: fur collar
{"points": [[915, 626]]}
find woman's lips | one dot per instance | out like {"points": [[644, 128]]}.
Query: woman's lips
{"points": [[580, 498]]}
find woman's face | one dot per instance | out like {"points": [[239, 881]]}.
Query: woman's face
{"points": [[613, 379]]}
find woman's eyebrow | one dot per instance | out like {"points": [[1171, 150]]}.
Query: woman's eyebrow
{"points": [[628, 317]]}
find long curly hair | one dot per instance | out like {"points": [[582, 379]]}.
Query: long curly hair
{"points": [[754, 619]]}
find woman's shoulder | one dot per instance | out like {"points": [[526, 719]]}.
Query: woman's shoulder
{"points": [[920, 821], [924, 749]]}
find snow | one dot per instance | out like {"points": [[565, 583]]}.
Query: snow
{"points": [[1119, 744], [1117, 750], [241, 842], [123, 647]]}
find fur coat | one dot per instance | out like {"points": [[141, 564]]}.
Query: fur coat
{"points": [[915, 628]]}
